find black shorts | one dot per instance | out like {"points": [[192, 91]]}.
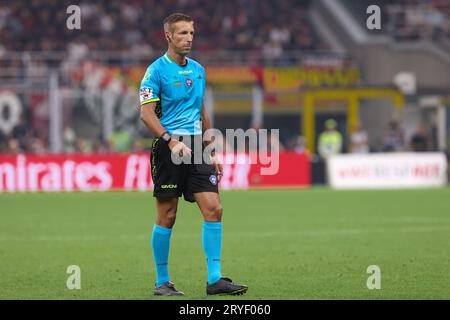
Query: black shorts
{"points": [[173, 180]]}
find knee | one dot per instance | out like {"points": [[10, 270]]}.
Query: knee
{"points": [[213, 213], [167, 219], [171, 217]]}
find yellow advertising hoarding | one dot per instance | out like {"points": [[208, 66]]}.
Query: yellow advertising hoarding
{"points": [[294, 79], [274, 80], [235, 75]]}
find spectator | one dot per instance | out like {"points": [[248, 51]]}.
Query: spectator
{"points": [[359, 141], [421, 139], [297, 144], [394, 138], [330, 140], [69, 140], [83, 145], [272, 51], [20, 131], [38, 146], [14, 146]]}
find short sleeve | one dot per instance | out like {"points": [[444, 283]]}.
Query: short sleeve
{"points": [[150, 86]]}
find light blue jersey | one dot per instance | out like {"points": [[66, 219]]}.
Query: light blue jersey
{"points": [[178, 93]]}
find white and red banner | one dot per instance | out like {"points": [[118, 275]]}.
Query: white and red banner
{"points": [[387, 170], [104, 172]]}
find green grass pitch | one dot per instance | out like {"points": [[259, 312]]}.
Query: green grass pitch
{"points": [[284, 244]]}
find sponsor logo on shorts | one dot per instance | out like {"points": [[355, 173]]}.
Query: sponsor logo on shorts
{"points": [[168, 186], [213, 179]]}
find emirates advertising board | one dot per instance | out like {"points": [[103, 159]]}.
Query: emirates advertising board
{"points": [[132, 172]]}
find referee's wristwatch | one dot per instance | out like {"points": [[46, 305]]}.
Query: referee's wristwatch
{"points": [[166, 137]]}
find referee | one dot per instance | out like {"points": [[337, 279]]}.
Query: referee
{"points": [[171, 97]]}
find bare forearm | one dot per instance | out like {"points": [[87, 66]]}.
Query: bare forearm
{"points": [[206, 125], [151, 121], [206, 122]]}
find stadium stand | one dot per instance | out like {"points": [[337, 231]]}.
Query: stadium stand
{"points": [[136, 25], [230, 33], [408, 20], [33, 43]]}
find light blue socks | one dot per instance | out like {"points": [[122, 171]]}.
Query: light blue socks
{"points": [[212, 244], [160, 247]]}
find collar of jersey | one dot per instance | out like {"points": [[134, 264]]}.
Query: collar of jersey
{"points": [[169, 58]]}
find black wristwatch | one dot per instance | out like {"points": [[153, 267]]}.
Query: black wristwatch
{"points": [[166, 137]]}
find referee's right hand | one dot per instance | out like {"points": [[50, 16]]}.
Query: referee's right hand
{"points": [[179, 148]]}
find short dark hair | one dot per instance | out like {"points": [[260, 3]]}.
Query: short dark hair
{"points": [[175, 17]]}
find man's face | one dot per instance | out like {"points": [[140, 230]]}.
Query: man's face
{"points": [[180, 39]]}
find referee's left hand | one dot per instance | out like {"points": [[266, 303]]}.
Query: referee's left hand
{"points": [[219, 167]]}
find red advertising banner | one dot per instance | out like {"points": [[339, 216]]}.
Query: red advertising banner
{"points": [[97, 172]]}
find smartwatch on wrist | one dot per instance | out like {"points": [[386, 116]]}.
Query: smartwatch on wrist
{"points": [[166, 137]]}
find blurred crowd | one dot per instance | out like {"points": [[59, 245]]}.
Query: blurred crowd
{"points": [[267, 28], [136, 25], [331, 141], [24, 139], [419, 19]]}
